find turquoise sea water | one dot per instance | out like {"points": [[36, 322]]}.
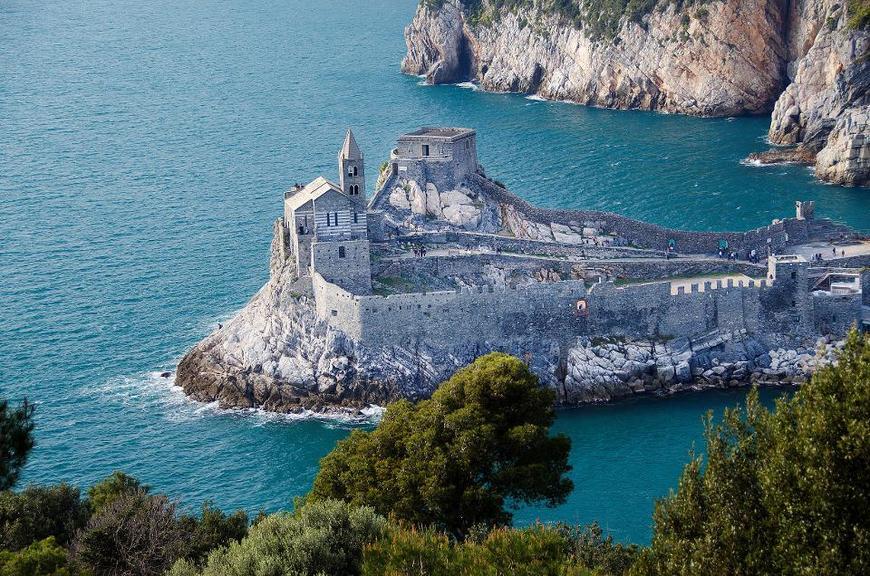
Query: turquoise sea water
{"points": [[144, 147]]}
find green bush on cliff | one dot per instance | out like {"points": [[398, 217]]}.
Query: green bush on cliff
{"points": [[455, 460], [111, 488], [320, 538], [859, 14], [782, 492], [600, 19]]}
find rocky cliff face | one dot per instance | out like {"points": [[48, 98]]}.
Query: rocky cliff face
{"points": [[826, 108], [724, 58], [710, 59]]}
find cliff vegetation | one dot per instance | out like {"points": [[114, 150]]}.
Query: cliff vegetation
{"points": [[600, 19]]}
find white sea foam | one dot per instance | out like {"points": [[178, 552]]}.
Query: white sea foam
{"points": [[536, 98], [152, 391], [468, 85]]}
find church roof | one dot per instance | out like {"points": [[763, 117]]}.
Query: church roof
{"points": [[349, 149], [314, 190]]}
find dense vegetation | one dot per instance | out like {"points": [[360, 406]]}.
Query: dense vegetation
{"points": [[779, 492], [782, 492], [453, 461], [600, 19], [859, 14]]}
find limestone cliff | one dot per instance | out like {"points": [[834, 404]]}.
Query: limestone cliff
{"points": [[712, 58], [719, 58], [826, 108]]}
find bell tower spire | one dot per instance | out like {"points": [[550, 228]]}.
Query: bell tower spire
{"points": [[351, 169]]}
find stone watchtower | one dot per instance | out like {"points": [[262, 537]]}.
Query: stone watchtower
{"points": [[351, 170]]}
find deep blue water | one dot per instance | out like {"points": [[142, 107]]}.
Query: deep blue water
{"points": [[144, 148]]}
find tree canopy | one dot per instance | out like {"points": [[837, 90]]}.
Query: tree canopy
{"points": [[780, 492], [481, 443], [16, 441]]}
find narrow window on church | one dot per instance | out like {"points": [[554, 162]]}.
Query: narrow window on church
{"points": [[336, 218], [355, 171], [328, 221], [341, 252], [355, 218], [425, 149]]}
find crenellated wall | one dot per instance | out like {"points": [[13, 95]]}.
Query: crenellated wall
{"points": [[564, 310]]}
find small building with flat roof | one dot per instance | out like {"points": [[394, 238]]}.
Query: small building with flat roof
{"points": [[440, 156]]}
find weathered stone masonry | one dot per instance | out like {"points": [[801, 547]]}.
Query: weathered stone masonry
{"points": [[354, 313]]}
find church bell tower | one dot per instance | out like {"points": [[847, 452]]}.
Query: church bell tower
{"points": [[351, 170]]}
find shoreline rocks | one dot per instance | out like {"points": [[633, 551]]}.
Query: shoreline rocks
{"points": [[601, 370], [782, 156]]}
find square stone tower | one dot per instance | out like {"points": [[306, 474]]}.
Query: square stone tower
{"points": [[351, 170], [441, 156]]}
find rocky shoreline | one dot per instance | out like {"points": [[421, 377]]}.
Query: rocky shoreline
{"points": [[277, 355], [804, 61], [782, 156]]}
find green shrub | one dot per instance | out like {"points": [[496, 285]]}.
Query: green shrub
{"points": [[453, 461], [534, 551], [135, 534], [588, 546], [109, 489], [320, 538], [36, 513], [211, 530], [43, 558], [859, 14]]}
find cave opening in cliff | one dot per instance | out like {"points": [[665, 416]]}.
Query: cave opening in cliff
{"points": [[465, 69]]}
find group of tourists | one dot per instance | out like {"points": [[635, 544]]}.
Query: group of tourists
{"points": [[751, 255], [817, 257], [419, 251]]}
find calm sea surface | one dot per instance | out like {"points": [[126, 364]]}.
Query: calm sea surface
{"points": [[144, 148]]}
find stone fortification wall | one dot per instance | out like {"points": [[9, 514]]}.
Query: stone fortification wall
{"points": [[781, 234], [447, 164], [346, 262], [473, 266], [478, 314], [654, 311], [835, 313], [559, 310], [337, 306]]}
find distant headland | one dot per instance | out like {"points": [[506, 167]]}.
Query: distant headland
{"points": [[806, 63], [375, 299]]}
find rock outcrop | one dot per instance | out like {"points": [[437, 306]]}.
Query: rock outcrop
{"points": [[825, 110], [723, 58], [608, 369], [709, 59]]}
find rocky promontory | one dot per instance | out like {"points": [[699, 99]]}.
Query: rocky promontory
{"points": [[280, 355], [805, 61]]}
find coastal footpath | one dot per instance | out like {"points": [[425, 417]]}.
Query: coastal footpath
{"points": [[806, 61], [374, 299]]}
